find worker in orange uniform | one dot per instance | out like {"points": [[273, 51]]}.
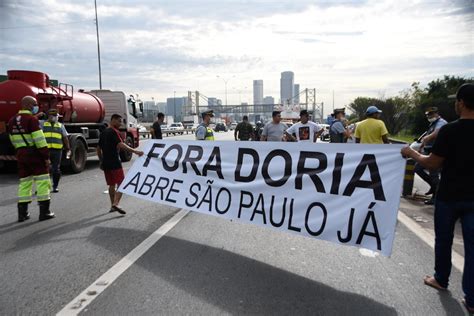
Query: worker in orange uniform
{"points": [[33, 159]]}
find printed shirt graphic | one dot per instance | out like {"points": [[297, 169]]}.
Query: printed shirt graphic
{"points": [[304, 132]]}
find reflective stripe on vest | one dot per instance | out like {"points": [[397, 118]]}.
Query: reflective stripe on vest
{"points": [[53, 134], [20, 140], [209, 134]]}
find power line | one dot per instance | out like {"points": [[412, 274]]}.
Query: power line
{"points": [[42, 25]]}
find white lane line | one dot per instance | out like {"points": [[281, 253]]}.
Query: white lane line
{"points": [[105, 280], [456, 259]]}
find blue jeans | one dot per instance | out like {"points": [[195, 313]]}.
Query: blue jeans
{"points": [[431, 177], [446, 215]]}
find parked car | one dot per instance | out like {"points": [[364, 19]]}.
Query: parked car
{"points": [[177, 128], [220, 127], [232, 126]]}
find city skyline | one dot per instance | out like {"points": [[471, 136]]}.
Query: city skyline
{"points": [[153, 48]]}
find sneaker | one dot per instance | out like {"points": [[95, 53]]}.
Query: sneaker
{"points": [[118, 209], [55, 190], [430, 202]]}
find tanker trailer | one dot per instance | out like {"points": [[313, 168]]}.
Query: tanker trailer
{"points": [[81, 113]]}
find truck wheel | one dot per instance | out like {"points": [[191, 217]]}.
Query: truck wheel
{"points": [[125, 155], [78, 157]]}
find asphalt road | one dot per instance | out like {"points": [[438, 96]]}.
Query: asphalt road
{"points": [[204, 265]]}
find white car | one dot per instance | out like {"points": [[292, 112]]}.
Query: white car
{"points": [[176, 128]]}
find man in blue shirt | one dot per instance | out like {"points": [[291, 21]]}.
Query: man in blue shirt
{"points": [[431, 177]]}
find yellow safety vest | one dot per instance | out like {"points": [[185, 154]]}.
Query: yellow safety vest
{"points": [[53, 134], [19, 138], [209, 134]]}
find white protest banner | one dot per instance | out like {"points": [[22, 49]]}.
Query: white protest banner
{"points": [[345, 193]]}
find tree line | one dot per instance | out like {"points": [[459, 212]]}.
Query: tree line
{"points": [[405, 113]]}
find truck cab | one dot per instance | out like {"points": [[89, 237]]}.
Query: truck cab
{"points": [[116, 102]]}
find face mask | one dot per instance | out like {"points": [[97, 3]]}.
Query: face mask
{"points": [[54, 119], [35, 109], [432, 119]]}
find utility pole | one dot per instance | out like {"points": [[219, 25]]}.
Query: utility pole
{"points": [[333, 100], [98, 44]]}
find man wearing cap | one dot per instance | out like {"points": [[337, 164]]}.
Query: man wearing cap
{"points": [[304, 130], [204, 132], [337, 131], [452, 154], [56, 137], [274, 130], [372, 130], [427, 141]]}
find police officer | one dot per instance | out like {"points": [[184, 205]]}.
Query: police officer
{"points": [[33, 159], [427, 141], [204, 132], [56, 137], [337, 131]]}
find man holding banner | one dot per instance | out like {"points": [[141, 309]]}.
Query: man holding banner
{"points": [[304, 130], [344, 194], [274, 130], [455, 196]]}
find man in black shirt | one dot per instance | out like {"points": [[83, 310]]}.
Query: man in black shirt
{"points": [[156, 127], [110, 143], [453, 152]]}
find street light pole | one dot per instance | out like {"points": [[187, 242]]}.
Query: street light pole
{"points": [[98, 45], [225, 84]]}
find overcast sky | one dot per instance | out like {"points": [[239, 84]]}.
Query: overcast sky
{"points": [[356, 48]]}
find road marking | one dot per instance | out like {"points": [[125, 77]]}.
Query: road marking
{"points": [[423, 234], [105, 280]]}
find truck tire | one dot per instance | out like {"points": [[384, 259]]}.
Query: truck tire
{"points": [[125, 155], [78, 159]]}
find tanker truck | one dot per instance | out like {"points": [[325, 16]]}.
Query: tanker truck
{"points": [[85, 114]]}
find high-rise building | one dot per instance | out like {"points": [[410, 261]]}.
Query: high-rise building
{"points": [[150, 109], [268, 106], [286, 87], [213, 102], [258, 92], [269, 100], [161, 107], [175, 106], [296, 93]]}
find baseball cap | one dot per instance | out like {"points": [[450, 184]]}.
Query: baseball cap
{"points": [[465, 92], [373, 109], [53, 112], [210, 113], [432, 109]]}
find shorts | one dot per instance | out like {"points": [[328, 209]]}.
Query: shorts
{"points": [[113, 177]]}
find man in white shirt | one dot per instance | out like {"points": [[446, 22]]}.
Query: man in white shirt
{"points": [[304, 130]]}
